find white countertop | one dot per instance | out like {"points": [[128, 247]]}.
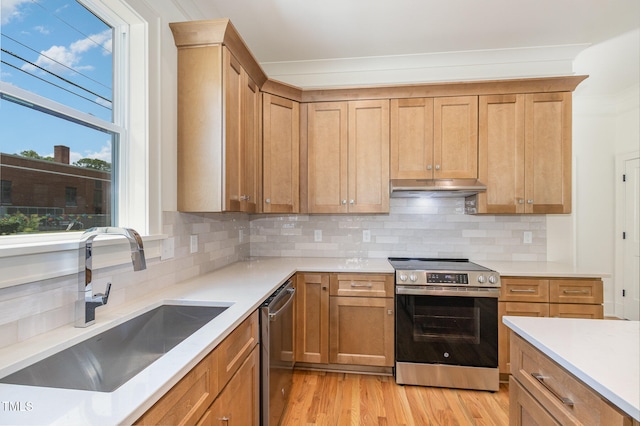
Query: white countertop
{"points": [[604, 354], [243, 285], [543, 269]]}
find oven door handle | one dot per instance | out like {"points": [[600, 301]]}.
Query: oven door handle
{"points": [[427, 291]]}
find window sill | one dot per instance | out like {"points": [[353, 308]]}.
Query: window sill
{"points": [[26, 259]]}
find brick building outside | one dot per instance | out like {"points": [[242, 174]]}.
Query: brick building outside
{"points": [[63, 196]]}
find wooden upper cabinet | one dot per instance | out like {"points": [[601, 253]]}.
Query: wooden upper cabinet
{"points": [[280, 141], [434, 138], [348, 157], [411, 138], [548, 153], [455, 137], [501, 153], [242, 137], [525, 153]]}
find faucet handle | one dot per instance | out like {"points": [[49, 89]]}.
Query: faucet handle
{"points": [[100, 297]]}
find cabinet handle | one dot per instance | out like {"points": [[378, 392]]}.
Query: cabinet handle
{"points": [[389, 311], [429, 167], [368, 285], [268, 201], [529, 201], [541, 379], [520, 201], [245, 197], [224, 419], [575, 291], [517, 290]]}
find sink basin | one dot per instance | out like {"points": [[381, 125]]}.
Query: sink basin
{"points": [[109, 359]]}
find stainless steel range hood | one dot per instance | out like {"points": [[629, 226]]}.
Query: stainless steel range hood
{"points": [[435, 188]]}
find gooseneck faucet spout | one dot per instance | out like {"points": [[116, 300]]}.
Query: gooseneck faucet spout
{"points": [[88, 302]]}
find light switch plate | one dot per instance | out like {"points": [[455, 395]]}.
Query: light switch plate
{"points": [[317, 235], [366, 236], [527, 238], [168, 248]]}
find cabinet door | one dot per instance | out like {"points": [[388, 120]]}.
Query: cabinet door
{"points": [[455, 139], [233, 131], [501, 154], [239, 402], [251, 146], [524, 409], [368, 175], [312, 318], [281, 140], [520, 309], [327, 133], [411, 138], [548, 153], [362, 331]]}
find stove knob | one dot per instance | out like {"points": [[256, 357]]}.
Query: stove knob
{"points": [[413, 277], [493, 279], [481, 279], [403, 277]]}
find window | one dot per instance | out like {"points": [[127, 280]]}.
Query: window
{"points": [[60, 127], [5, 193]]}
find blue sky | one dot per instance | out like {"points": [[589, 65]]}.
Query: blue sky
{"points": [[45, 37]]}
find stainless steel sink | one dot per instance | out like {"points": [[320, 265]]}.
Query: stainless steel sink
{"points": [[109, 359]]}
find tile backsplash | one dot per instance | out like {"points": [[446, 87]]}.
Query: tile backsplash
{"points": [[428, 227], [414, 227]]}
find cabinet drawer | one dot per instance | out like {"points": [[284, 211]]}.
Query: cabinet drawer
{"points": [[587, 291], [365, 285], [571, 310], [524, 290], [524, 410], [188, 399], [235, 348], [565, 397]]}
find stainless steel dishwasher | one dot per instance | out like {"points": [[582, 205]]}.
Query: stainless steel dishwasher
{"points": [[276, 358]]}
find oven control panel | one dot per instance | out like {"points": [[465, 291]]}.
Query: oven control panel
{"points": [[478, 279]]}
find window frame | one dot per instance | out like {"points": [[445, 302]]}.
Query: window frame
{"points": [[130, 125]]}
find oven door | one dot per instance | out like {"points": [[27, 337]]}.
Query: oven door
{"points": [[454, 327]]}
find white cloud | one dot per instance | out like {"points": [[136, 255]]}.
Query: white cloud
{"points": [[59, 58], [10, 9], [42, 29]]}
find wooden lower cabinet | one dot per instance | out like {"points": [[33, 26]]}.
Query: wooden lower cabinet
{"points": [[545, 297], [233, 367], [345, 319], [361, 331], [543, 392], [239, 402]]}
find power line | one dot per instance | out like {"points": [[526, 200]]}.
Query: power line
{"points": [[54, 75], [53, 60], [55, 85]]}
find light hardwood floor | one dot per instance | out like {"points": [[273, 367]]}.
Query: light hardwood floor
{"points": [[322, 398]]}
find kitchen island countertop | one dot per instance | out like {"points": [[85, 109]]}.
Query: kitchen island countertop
{"points": [[604, 354]]}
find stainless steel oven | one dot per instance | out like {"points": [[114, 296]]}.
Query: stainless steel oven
{"points": [[446, 323]]}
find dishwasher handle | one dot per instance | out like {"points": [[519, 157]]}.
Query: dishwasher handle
{"points": [[274, 315]]}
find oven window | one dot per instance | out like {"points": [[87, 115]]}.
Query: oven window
{"points": [[447, 324]]}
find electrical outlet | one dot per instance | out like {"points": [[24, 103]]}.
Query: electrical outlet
{"points": [[194, 244], [317, 235], [366, 236], [527, 238], [168, 248]]}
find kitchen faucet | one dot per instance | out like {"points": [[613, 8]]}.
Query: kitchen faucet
{"points": [[88, 302]]}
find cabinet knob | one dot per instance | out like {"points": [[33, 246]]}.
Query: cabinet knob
{"points": [[268, 201], [352, 202], [520, 201], [429, 167], [437, 166], [224, 419], [324, 288], [245, 197], [344, 202], [529, 201], [389, 312]]}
